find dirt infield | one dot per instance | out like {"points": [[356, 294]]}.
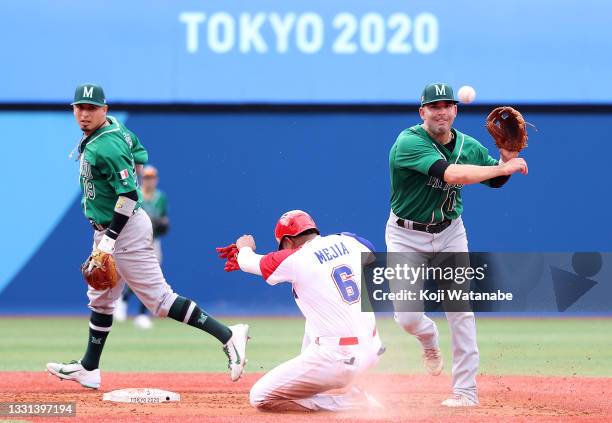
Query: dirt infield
{"points": [[213, 398]]}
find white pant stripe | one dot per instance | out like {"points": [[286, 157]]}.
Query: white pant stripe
{"points": [[100, 328]]}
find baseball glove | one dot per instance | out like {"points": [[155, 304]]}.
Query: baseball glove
{"points": [[230, 254], [99, 270], [508, 128]]}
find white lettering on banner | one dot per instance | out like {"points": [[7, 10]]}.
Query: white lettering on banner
{"points": [[193, 21], [221, 23], [88, 92], [372, 33], [249, 33], [282, 28], [309, 24], [347, 24], [397, 43], [426, 33]]}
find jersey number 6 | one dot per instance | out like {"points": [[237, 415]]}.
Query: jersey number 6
{"points": [[343, 278]]}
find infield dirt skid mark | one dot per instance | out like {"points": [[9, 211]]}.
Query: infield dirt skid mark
{"points": [[212, 397]]}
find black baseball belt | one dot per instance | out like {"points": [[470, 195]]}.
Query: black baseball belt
{"points": [[100, 227], [431, 228]]}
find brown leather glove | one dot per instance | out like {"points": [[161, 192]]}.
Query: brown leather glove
{"points": [[99, 270], [508, 128]]}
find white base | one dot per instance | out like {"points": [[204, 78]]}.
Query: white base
{"points": [[141, 396]]}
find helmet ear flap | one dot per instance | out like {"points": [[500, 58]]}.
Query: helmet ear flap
{"points": [[283, 240], [293, 223]]}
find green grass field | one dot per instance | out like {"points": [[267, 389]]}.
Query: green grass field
{"points": [[562, 347]]}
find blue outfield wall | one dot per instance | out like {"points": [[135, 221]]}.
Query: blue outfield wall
{"points": [[227, 174]]}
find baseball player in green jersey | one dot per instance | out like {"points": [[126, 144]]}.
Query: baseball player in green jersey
{"points": [[429, 165], [109, 154], [155, 203]]}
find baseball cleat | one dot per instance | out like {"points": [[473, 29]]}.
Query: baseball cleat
{"points": [[459, 401], [235, 350], [142, 321], [432, 360], [76, 372]]}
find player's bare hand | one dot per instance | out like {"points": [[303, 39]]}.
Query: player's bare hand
{"points": [[246, 241], [507, 155], [514, 166]]}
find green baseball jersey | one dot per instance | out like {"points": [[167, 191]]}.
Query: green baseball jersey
{"points": [[422, 198], [157, 208], [108, 168]]}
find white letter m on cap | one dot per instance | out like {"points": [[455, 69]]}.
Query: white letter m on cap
{"points": [[89, 92], [440, 89]]}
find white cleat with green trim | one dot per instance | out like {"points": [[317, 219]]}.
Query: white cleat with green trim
{"points": [[76, 372], [235, 350]]}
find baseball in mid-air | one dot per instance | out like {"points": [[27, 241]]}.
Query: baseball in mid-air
{"points": [[466, 94]]}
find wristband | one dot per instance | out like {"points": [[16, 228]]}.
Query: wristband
{"points": [[106, 244]]}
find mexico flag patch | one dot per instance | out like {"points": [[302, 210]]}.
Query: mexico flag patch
{"points": [[124, 174]]}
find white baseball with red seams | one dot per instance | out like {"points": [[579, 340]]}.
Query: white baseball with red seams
{"points": [[466, 94], [340, 340]]}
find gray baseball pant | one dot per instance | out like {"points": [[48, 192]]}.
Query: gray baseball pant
{"points": [[137, 266], [462, 325]]}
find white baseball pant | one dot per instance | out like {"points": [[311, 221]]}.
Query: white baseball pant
{"points": [[322, 366]]}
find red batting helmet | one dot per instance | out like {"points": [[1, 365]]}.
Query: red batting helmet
{"points": [[293, 223]]}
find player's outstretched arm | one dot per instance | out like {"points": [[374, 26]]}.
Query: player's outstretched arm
{"points": [[473, 174], [248, 260]]}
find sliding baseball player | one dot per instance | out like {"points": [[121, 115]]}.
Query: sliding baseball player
{"points": [[341, 341]]}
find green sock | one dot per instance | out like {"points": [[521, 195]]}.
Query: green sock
{"points": [[99, 328], [186, 311]]}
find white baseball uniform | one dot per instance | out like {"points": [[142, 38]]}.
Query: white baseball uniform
{"points": [[340, 342]]}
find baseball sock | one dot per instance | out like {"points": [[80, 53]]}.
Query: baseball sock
{"points": [[99, 328], [186, 311]]}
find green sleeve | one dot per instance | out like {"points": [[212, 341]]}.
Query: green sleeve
{"points": [[486, 160], [115, 163], [163, 204], [138, 151], [415, 153]]}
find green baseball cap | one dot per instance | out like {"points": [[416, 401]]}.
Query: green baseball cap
{"points": [[437, 91], [89, 94]]}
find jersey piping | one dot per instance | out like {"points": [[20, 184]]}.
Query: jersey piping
{"points": [[270, 262], [448, 192], [99, 135]]}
